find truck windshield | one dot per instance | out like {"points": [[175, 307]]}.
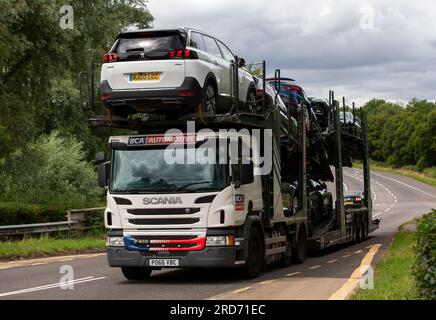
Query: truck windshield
{"points": [[147, 171]]}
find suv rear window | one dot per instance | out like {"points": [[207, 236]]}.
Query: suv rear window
{"points": [[148, 45]]}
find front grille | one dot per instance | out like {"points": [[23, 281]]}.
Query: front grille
{"points": [[175, 243], [169, 237], [169, 211], [163, 221], [163, 254]]}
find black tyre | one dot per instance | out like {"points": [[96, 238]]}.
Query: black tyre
{"points": [[300, 251], [356, 228], [251, 104], [209, 99], [286, 259], [364, 226], [256, 254], [136, 273], [361, 230]]}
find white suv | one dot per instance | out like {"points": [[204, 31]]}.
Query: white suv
{"points": [[176, 70]]}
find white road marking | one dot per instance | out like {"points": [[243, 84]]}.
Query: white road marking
{"points": [[404, 184], [315, 267], [38, 261], [374, 194], [345, 186], [293, 274], [241, 290], [51, 286], [346, 256], [331, 261]]}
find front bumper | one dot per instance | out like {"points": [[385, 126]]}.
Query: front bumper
{"points": [[208, 257]]}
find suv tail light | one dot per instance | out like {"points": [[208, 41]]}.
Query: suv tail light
{"points": [[292, 87], [183, 54], [110, 57]]}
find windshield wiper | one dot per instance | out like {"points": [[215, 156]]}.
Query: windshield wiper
{"points": [[192, 184], [135, 190]]}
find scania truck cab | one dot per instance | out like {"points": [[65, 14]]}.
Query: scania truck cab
{"points": [[187, 200]]}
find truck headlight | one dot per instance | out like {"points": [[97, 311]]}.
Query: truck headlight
{"points": [[115, 242], [220, 241]]}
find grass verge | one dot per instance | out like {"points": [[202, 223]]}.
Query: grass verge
{"points": [[39, 247], [393, 278], [424, 177]]}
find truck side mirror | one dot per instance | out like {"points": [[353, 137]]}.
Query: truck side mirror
{"points": [[102, 177], [100, 157], [101, 169], [247, 174]]}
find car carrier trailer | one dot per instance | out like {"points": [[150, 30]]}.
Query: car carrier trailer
{"points": [[237, 219]]}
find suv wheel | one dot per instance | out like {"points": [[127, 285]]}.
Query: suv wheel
{"points": [[251, 104], [209, 99]]}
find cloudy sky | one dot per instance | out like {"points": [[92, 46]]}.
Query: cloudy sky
{"points": [[361, 49]]}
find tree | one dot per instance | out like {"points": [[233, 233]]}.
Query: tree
{"points": [[40, 60]]}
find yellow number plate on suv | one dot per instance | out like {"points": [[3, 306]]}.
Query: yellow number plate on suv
{"points": [[145, 76]]}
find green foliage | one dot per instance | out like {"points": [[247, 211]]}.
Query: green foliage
{"points": [[53, 170], [21, 213], [393, 278], [39, 94], [28, 248], [401, 136], [40, 62], [425, 266]]}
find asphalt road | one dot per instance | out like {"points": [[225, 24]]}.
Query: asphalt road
{"points": [[396, 200]]}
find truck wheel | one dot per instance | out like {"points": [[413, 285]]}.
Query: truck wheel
{"points": [[361, 230], [256, 254], [364, 227], [356, 228], [286, 258], [136, 273], [300, 250]]}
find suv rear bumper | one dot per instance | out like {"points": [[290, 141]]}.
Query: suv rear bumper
{"points": [[187, 95]]}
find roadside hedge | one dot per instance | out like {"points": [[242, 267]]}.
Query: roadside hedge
{"points": [[425, 266], [18, 213]]}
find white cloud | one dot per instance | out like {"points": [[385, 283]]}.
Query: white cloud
{"points": [[321, 44]]}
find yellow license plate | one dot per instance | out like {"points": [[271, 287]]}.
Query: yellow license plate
{"points": [[145, 76], [348, 202]]}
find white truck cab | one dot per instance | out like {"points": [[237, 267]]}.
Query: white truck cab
{"points": [[182, 200]]}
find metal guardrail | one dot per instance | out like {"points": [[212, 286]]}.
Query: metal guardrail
{"points": [[35, 228], [76, 220]]}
